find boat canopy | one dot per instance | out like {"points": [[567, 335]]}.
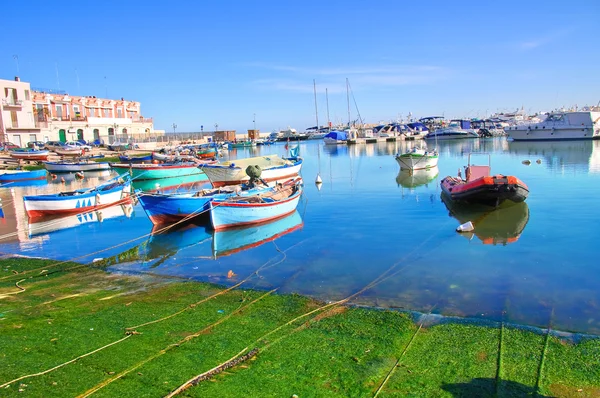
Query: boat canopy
{"points": [[417, 126], [337, 135]]}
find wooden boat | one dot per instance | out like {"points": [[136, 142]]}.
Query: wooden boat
{"points": [[29, 154], [135, 159], [189, 183], [206, 152], [45, 225], [11, 176], [492, 226], [114, 192], [163, 208], [73, 166], [69, 151], [153, 171], [241, 210], [233, 172], [243, 144], [417, 158], [235, 240], [479, 187], [172, 157]]}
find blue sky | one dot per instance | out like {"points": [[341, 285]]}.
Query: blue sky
{"points": [[222, 62]]}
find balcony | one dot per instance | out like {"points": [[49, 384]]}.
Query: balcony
{"points": [[10, 102]]}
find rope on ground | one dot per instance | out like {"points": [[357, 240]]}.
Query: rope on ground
{"points": [[170, 347], [8, 383], [21, 290]]}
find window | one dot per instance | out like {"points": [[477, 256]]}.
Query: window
{"points": [[40, 112], [76, 111], [32, 137], [107, 113], [111, 131], [13, 118], [59, 110], [91, 112], [119, 112], [27, 96], [17, 140]]}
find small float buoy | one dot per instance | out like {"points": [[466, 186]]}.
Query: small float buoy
{"points": [[466, 227], [62, 179], [79, 174], [319, 185], [318, 180], [231, 274], [54, 176], [526, 162], [539, 161]]}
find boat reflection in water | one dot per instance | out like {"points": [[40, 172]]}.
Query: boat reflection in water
{"points": [[503, 225], [166, 241], [416, 178], [235, 240], [46, 225]]}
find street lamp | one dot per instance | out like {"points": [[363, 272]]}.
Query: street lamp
{"points": [[254, 120], [216, 127], [174, 127]]}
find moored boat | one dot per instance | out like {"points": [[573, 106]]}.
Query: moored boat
{"points": [[239, 210], [72, 166], [114, 192], [233, 172], [480, 187], [416, 159], [68, 151], [11, 176], [336, 138], [135, 159], [152, 171], [29, 154], [559, 126]]}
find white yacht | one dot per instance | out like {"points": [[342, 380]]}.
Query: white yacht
{"points": [[578, 125], [457, 129]]}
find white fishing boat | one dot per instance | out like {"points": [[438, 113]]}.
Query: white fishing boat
{"points": [[583, 125], [68, 151], [72, 166], [233, 172], [114, 192], [237, 211], [417, 158]]}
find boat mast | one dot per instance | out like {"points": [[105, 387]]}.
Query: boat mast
{"points": [[318, 180], [328, 121], [348, 101]]}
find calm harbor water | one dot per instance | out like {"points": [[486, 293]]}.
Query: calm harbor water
{"points": [[533, 264]]}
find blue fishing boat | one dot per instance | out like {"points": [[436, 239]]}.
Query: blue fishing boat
{"points": [[135, 159], [174, 207], [241, 210], [12, 176]]}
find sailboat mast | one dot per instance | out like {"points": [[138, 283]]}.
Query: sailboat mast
{"points": [[328, 121], [348, 101], [316, 112]]}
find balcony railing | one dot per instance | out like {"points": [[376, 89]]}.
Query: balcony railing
{"points": [[11, 102]]}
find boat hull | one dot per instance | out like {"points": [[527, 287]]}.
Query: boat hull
{"points": [[525, 133], [134, 159], [69, 152], [411, 161], [48, 205], [489, 191], [153, 171], [73, 167], [30, 155], [221, 175], [224, 214], [22, 175]]}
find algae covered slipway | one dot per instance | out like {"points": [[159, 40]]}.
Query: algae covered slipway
{"points": [[70, 329]]}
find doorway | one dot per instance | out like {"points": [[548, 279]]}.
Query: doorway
{"points": [[62, 135]]}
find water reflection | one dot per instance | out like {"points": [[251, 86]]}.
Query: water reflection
{"points": [[46, 225], [492, 226], [578, 155], [167, 242], [416, 178]]}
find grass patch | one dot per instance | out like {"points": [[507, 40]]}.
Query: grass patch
{"points": [[69, 310]]}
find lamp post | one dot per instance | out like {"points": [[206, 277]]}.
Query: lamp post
{"points": [[174, 127], [216, 127], [254, 120]]}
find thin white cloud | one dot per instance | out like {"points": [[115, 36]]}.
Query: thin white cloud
{"points": [[549, 38], [299, 79]]}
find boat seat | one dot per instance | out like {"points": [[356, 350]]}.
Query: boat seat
{"points": [[474, 172]]}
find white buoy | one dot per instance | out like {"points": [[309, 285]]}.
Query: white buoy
{"points": [[319, 185], [466, 227], [318, 179]]}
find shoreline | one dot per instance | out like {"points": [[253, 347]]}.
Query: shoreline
{"points": [[303, 346]]}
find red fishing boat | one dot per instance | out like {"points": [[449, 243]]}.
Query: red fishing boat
{"points": [[480, 187]]}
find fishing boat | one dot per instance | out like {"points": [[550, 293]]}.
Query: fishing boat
{"points": [[417, 158], [335, 138], [172, 157], [496, 226], [135, 159], [116, 191], [233, 172], [73, 166], [480, 187], [12, 176], [235, 240], [241, 210], [582, 125], [243, 144], [68, 151], [45, 225], [206, 152], [152, 171], [163, 208], [29, 154], [189, 183]]}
